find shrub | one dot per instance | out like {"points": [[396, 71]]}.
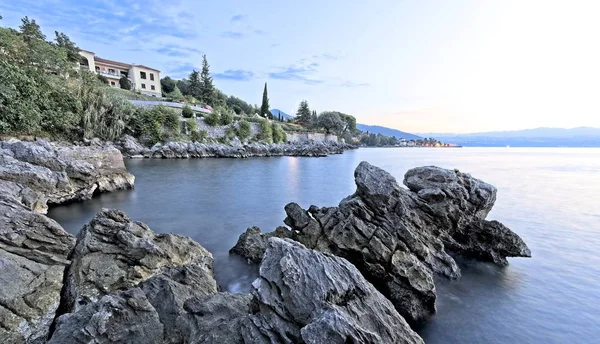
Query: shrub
{"points": [[172, 122], [244, 129], [279, 135], [230, 133], [266, 131], [198, 136], [212, 118], [124, 83], [226, 116], [102, 78], [191, 124], [187, 112]]}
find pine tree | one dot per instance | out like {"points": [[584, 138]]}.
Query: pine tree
{"points": [[303, 115], [207, 90], [63, 41], [264, 108], [30, 30], [195, 85]]}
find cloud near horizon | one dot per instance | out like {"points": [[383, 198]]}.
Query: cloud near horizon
{"points": [[235, 74]]}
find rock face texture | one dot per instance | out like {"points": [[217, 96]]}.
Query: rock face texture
{"points": [[114, 253], [399, 238], [233, 149], [309, 297], [128, 285], [33, 256], [63, 173]]}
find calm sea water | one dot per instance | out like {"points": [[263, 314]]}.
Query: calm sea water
{"points": [[549, 196]]}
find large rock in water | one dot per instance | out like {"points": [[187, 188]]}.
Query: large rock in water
{"points": [[114, 253], [309, 297], [399, 238], [63, 173], [33, 256]]}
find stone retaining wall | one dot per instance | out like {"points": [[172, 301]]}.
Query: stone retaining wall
{"points": [[308, 137]]}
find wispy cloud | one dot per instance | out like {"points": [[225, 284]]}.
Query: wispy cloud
{"points": [[232, 35], [235, 74], [238, 18], [178, 51], [297, 73]]}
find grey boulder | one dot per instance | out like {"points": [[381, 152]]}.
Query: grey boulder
{"points": [[310, 297], [114, 253]]}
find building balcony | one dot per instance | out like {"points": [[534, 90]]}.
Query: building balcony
{"points": [[110, 75]]}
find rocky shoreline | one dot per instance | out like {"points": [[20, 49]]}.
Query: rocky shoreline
{"points": [[131, 148], [357, 273]]}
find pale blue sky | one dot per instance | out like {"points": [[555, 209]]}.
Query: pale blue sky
{"points": [[420, 66]]}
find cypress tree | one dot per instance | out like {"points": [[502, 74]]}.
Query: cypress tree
{"points": [[264, 108], [207, 89]]}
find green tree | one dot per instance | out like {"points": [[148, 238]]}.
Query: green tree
{"points": [[176, 95], [314, 119], [167, 84], [213, 118], [187, 112], [30, 30], [207, 89], [124, 83], [226, 115], [238, 105], [184, 86], [303, 115], [330, 121], [64, 42], [195, 85], [264, 108]]}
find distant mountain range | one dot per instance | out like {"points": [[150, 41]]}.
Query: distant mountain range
{"points": [[538, 137], [376, 129], [276, 112]]}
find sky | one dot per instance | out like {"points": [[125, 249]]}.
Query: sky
{"points": [[419, 66]]}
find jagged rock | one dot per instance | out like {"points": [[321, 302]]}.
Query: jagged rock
{"points": [[398, 238], [170, 290], [33, 256], [216, 318], [114, 253], [124, 317], [309, 297], [63, 173], [252, 244]]}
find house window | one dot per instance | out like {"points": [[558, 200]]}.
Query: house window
{"points": [[143, 75], [97, 69], [152, 86], [111, 71], [143, 85], [152, 76], [112, 83]]}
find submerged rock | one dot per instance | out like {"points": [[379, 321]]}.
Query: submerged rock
{"points": [[63, 173], [399, 238], [309, 297]]}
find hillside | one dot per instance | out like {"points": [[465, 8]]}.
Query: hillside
{"points": [[376, 129]]}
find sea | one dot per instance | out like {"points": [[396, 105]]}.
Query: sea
{"points": [[549, 196]]}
